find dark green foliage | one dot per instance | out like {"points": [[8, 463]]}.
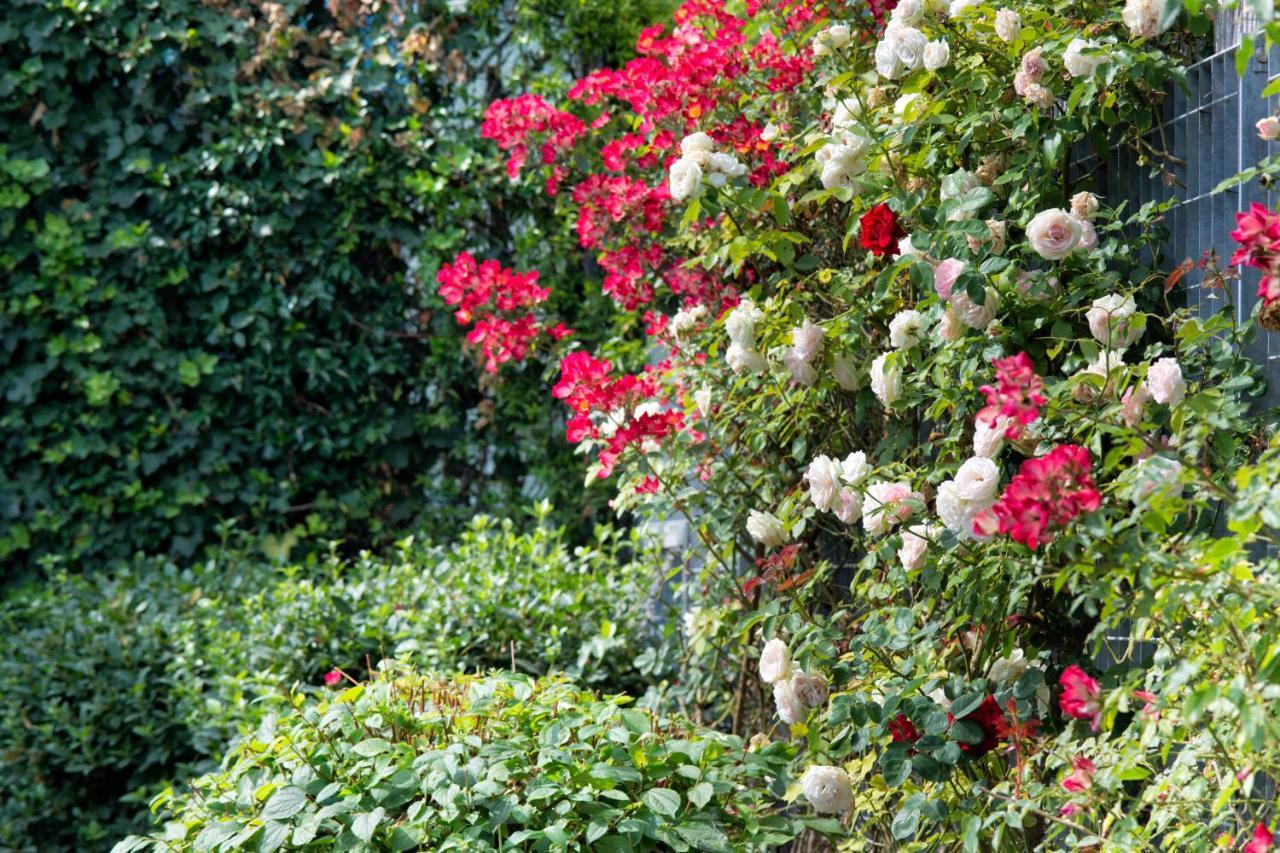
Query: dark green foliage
{"points": [[413, 762], [219, 228], [112, 684]]}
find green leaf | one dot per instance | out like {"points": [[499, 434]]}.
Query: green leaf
{"points": [[905, 823], [371, 747], [366, 824], [663, 801], [701, 794], [284, 803], [703, 837]]}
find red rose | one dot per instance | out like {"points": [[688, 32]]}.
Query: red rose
{"points": [[903, 730], [880, 231], [987, 716]]}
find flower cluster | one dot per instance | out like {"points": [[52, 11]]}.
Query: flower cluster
{"points": [[1045, 495], [1258, 233]]}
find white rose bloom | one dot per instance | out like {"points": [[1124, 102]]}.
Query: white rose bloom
{"points": [[1268, 128], [766, 529], [850, 509], [770, 132], [1113, 321], [886, 380], [838, 35], [685, 179], [741, 322], [887, 63], [953, 510], [727, 164], [1009, 669], [1008, 24], [697, 143], [1053, 234], [845, 115], [936, 54], [1165, 382], [790, 709], [806, 340], [828, 789], [823, 477], [915, 544], [702, 399], [970, 313], [1082, 58], [802, 372], [977, 480], [811, 690], [1156, 474], [854, 469], [904, 329], [988, 438], [904, 107], [1039, 95], [907, 13], [1088, 235], [840, 165], [908, 43], [775, 662], [1107, 362], [686, 320], [846, 373], [907, 249], [956, 185], [1142, 17], [743, 360]]}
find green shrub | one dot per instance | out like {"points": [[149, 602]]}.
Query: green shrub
{"points": [[110, 685], [416, 762]]}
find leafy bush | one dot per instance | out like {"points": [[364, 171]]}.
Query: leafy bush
{"points": [[111, 684], [417, 762], [216, 218]]}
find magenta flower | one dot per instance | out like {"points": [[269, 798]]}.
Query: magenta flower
{"points": [[332, 678], [1081, 696]]}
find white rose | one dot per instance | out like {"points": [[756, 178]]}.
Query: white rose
{"points": [[697, 143], [741, 322], [887, 63], [1084, 205], [790, 709], [970, 313], [1038, 95], [1142, 17], [886, 380], [908, 44], [846, 373], [838, 35], [685, 179], [936, 54], [775, 662], [1112, 321], [828, 789], [977, 480], [1156, 473], [1053, 234], [949, 328], [988, 437], [770, 132], [802, 372], [1165, 382], [686, 320], [840, 165], [904, 329], [806, 340], [702, 399], [1008, 24], [845, 115], [1009, 669], [766, 529], [811, 690], [907, 13], [744, 360], [1268, 128], [956, 512], [850, 509], [727, 164], [1088, 235], [823, 477], [915, 544], [1082, 58], [955, 186], [1107, 362]]}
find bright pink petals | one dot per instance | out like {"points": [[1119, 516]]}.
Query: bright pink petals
{"points": [[1081, 696], [1043, 497], [1261, 841], [1018, 394], [1258, 233], [1081, 777]]}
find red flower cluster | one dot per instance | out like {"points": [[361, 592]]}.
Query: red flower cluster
{"points": [[990, 719], [881, 231], [1018, 393], [1258, 233], [513, 124], [622, 412], [902, 730], [1043, 497], [482, 290]]}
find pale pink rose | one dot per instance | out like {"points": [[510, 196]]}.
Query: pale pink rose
{"points": [[790, 709], [945, 275], [828, 789], [806, 341], [802, 372], [1053, 234], [850, 509], [775, 662], [1084, 205], [1142, 17], [1165, 382], [1088, 235], [887, 505], [1269, 128], [1133, 404], [1114, 322], [988, 436], [915, 544], [1033, 66], [811, 690], [1020, 83], [823, 477], [1039, 96], [949, 328], [970, 313]]}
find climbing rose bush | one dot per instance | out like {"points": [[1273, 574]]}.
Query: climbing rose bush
{"points": [[935, 418]]}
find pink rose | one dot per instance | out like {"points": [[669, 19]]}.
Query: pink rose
{"points": [[945, 275]]}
